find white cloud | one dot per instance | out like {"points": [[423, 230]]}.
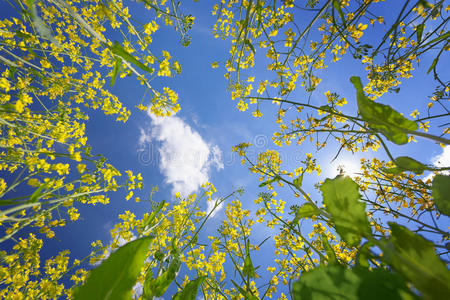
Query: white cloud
{"points": [[144, 137], [216, 157], [443, 159], [440, 161], [185, 158], [210, 206]]}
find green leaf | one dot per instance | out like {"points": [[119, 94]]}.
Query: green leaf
{"points": [[190, 290], [382, 118], [37, 193], [154, 214], [338, 282], [247, 294], [298, 181], [394, 170], [341, 198], [23, 35], [158, 255], [337, 6], [435, 61], [440, 190], [424, 4], [269, 181], [363, 256], [156, 287], [307, 210], [329, 250], [415, 258], [406, 163], [419, 32], [248, 269], [440, 38], [116, 276], [115, 71], [118, 50]]}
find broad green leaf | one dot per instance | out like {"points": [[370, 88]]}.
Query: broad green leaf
{"points": [[329, 250], [118, 50], [419, 32], [363, 256], [342, 200], [156, 287], [415, 258], [307, 210], [115, 71], [298, 181], [440, 190], [338, 282], [382, 118], [248, 269], [190, 290], [410, 164], [116, 276], [394, 170]]}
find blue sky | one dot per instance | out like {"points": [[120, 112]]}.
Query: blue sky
{"points": [[197, 141], [208, 114]]}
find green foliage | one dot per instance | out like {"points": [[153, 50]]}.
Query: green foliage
{"points": [[329, 250], [156, 287], [36, 71], [298, 181], [115, 71], [36, 194], [190, 290], [382, 118], [268, 181], [337, 6], [338, 282], [419, 31], [415, 258], [364, 255], [433, 65], [342, 200], [120, 51], [307, 210], [440, 191], [248, 269], [406, 163], [247, 294], [116, 276]]}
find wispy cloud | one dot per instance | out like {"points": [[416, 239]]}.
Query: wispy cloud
{"points": [[443, 159], [439, 161], [210, 206], [185, 158]]}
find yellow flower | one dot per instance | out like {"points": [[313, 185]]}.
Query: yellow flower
{"points": [[81, 168]]}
